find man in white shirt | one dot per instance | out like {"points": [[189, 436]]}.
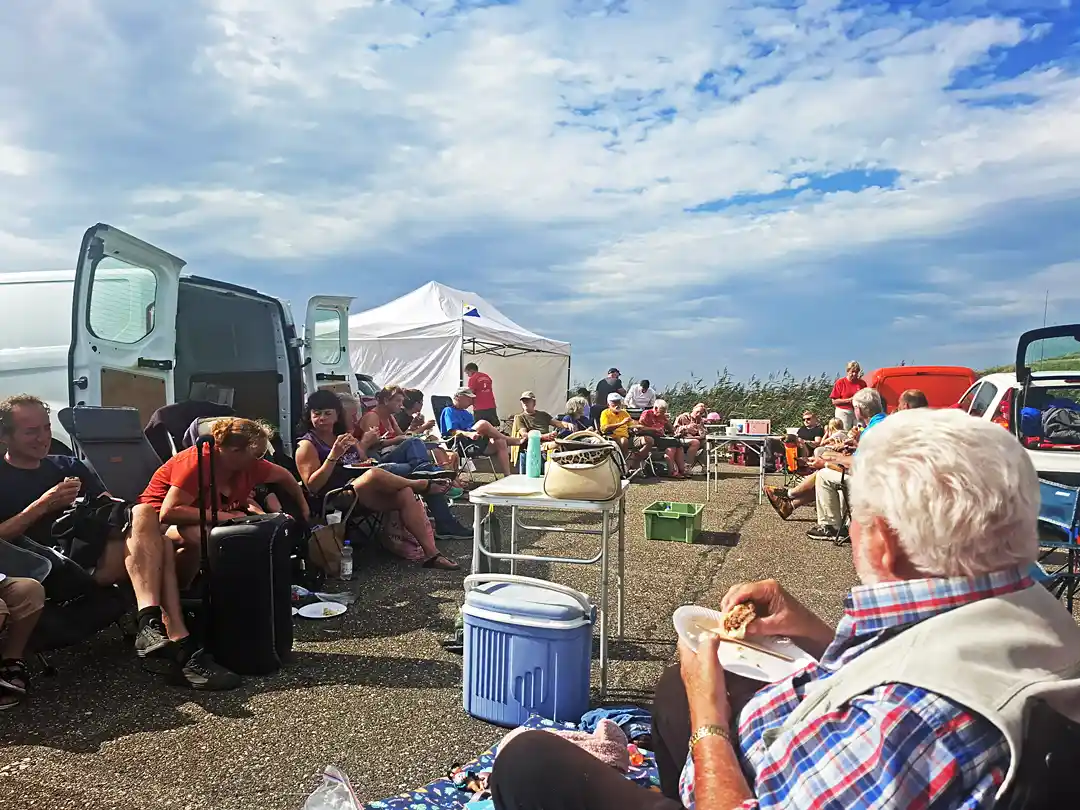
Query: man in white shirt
{"points": [[641, 396]]}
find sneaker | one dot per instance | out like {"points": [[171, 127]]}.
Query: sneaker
{"points": [[454, 493], [823, 533], [202, 672], [458, 532], [780, 501], [152, 640]]}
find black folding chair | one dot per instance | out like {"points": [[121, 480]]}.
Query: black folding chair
{"points": [[468, 452], [110, 441], [1046, 778]]}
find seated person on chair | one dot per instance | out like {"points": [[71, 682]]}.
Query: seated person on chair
{"points": [[657, 421], [532, 419], [456, 420], [617, 425], [920, 695], [327, 446], [811, 434], [411, 417], [442, 458], [21, 602], [576, 418], [394, 446], [36, 488]]}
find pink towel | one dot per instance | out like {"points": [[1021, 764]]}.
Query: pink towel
{"points": [[608, 743]]}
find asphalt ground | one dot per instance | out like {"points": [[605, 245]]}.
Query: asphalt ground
{"points": [[373, 691]]}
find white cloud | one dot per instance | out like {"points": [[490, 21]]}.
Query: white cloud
{"points": [[559, 145]]}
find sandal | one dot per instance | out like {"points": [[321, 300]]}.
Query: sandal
{"points": [[780, 501], [14, 683], [442, 562]]}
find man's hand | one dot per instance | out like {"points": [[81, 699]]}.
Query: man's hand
{"points": [[779, 613], [706, 689], [61, 496]]}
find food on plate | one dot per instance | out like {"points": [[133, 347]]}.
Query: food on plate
{"points": [[738, 619], [328, 611]]}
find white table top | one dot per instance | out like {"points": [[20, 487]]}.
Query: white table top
{"points": [[522, 491]]}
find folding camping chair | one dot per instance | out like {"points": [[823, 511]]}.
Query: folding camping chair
{"points": [[111, 442], [468, 453], [1059, 537]]}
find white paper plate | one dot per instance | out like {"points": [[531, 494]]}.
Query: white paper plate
{"points": [[738, 659], [322, 610]]}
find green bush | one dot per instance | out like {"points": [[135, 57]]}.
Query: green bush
{"points": [[781, 397]]}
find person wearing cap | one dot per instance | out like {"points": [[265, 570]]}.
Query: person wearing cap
{"points": [[611, 384], [457, 420], [531, 419], [615, 423]]}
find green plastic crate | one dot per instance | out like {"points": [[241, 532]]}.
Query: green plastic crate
{"points": [[667, 520]]}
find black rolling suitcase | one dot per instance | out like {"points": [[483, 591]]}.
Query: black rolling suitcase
{"points": [[247, 589]]}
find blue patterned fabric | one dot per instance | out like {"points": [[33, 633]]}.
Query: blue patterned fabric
{"points": [[442, 795]]}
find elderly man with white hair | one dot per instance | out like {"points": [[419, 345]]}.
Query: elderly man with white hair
{"points": [[829, 481], [919, 697]]}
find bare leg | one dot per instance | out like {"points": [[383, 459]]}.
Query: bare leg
{"points": [[170, 591], [21, 601], [489, 431], [186, 543], [804, 492], [500, 450], [414, 518], [139, 555], [693, 447]]}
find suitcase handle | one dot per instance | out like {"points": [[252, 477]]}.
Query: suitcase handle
{"points": [[474, 580], [204, 529]]}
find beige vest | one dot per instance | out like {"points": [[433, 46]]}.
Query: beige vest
{"points": [[990, 656]]}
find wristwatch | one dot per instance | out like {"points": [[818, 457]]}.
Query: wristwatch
{"points": [[710, 731]]}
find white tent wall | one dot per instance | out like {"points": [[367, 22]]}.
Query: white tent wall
{"points": [[546, 375], [433, 365]]}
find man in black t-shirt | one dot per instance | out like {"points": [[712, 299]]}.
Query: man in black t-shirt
{"points": [[36, 488], [611, 384], [811, 431]]}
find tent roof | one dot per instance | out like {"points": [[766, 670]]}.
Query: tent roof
{"points": [[436, 310]]}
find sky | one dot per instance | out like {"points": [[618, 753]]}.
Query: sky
{"points": [[673, 186]]}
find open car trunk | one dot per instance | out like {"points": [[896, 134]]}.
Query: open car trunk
{"points": [[231, 349], [1047, 410]]}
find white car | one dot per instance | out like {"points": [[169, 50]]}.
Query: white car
{"points": [[1047, 369]]}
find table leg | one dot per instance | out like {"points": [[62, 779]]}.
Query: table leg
{"points": [[708, 467], [604, 533], [621, 581], [477, 529], [513, 538]]}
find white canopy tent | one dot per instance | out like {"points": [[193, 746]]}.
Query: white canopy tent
{"points": [[425, 338]]}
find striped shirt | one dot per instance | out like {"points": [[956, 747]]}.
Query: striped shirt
{"points": [[897, 746]]}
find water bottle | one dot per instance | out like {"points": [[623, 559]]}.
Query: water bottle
{"points": [[346, 562], [532, 455]]}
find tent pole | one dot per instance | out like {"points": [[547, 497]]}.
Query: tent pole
{"points": [[461, 352]]}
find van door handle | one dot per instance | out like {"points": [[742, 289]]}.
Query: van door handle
{"points": [[160, 365], [323, 376], [81, 383]]}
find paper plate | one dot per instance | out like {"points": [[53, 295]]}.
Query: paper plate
{"points": [[322, 610], [689, 621], [295, 611]]}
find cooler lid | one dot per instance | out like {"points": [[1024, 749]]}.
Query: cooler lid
{"points": [[524, 601]]}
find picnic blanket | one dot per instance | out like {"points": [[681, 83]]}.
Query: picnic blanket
{"points": [[443, 795]]}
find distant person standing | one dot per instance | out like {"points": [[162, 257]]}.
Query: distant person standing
{"points": [[843, 390], [641, 396], [484, 394], [611, 384]]}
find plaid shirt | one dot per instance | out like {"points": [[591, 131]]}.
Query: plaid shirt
{"points": [[897, 746]]}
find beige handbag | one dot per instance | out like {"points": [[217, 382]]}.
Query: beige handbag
{"points": [[584, 467], [325, 547]]}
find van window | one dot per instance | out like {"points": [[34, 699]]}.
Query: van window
{"points": [[23, 311], [326, 342], [122, 301], [984, 399]]}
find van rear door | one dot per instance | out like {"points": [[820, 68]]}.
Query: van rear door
{"points": [[326, 345], [123, 322]]}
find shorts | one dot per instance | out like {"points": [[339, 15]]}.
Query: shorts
{"points": [[488, 415]]}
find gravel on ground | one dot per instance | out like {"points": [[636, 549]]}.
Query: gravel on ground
{"points": [[372, 691]]}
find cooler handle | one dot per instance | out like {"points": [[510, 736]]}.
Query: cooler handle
{"points": [[473, 580]]}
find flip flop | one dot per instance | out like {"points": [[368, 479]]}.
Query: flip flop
{"points": [[446, 563]]}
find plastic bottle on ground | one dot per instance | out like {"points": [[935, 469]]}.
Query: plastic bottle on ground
{"points": [[346, 562]]}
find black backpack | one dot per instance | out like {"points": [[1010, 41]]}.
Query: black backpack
{"points": [[1061, 426]]}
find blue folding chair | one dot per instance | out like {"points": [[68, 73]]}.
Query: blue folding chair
{"points": [[1059, 538]]}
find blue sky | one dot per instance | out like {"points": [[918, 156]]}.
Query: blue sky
{"points": [[674, 187]]}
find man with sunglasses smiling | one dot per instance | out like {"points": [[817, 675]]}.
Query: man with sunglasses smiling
{"points": [[812, 431]]}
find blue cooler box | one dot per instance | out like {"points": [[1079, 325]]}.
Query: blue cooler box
{"points": [[528, 649]]}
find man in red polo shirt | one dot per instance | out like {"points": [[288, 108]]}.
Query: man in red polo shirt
{"points": [[843, 390], [484, 402]]}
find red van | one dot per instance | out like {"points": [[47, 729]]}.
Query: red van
{"points": [[943, 385]]}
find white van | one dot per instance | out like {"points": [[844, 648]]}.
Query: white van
{"points": [[125, 328]]}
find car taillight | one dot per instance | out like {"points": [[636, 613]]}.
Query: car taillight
{"points": [[1002, 416]]}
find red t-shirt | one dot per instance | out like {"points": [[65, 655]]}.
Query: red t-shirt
{"points": [[652, 420], [182, 471], [480, 384], [846, 389]]}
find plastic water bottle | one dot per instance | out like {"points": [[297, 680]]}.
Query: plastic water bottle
{"points": [[533, 461], [346, 562]]}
